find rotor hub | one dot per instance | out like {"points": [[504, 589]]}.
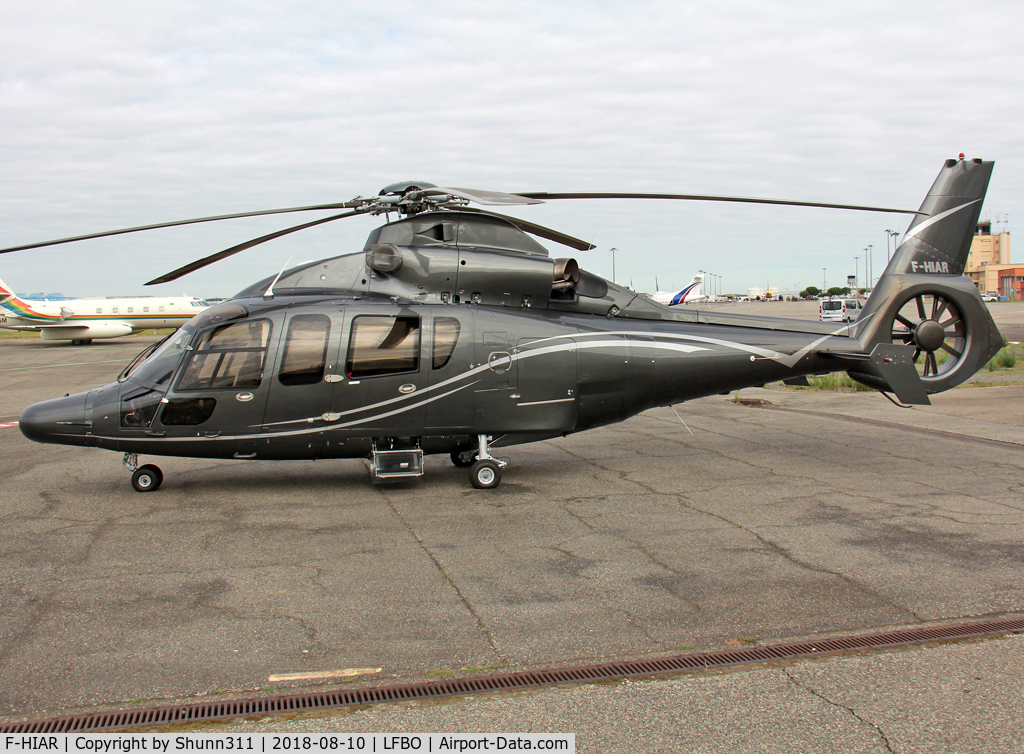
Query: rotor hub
{"points": [[929, 335]]}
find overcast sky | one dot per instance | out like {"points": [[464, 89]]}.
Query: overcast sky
{"points": [[116, 114]]}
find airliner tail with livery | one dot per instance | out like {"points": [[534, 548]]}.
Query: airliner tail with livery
{"points": [[688, 295]]}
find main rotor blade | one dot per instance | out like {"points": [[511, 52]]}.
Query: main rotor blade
{"points": [[200, 263], [338, 205], [545, 195], [537, 230], [495, 198]]}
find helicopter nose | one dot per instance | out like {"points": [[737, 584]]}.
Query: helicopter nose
{"points": [[61, 420]]}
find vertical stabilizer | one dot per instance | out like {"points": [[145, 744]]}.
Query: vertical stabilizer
{"points": [[923, 301], [939, 240]]}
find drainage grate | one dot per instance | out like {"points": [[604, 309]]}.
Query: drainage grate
{"points": [[185, 713]]}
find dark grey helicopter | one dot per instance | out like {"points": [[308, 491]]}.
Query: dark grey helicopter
{"points": [[454, 332]]}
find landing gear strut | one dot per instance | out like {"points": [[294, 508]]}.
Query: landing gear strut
{"points": [[485, 474], [144, 478]]}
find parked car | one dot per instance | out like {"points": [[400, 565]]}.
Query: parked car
{"points": [[839, 309], [989, 297]]}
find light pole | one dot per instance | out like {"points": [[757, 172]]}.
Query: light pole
{"points": [[823, 287], [613, 250], [856, 273], [867, 265], [895, 234]]}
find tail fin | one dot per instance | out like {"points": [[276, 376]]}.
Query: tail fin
{"points": [[689, 293], [696, 287], [924, 302], [10, 303]]}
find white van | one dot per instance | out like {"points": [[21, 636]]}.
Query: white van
{"points": [[839, 309]]}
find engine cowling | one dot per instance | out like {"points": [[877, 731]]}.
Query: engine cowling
{"points": [[92, 331]]}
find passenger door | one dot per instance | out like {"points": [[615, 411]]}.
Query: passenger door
{"points": [[222, 391], [380, 393], [495, 389], [301, 388], [449, 365]]}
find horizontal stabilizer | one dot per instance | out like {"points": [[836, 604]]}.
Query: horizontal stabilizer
{"points": [[896, 366]]}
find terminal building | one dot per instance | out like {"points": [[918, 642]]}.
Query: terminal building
{"points": [[989, 266]]}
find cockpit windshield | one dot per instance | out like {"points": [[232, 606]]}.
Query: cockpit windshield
{"points": [[157, 369]]}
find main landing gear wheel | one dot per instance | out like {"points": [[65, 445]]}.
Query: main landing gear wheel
{"points": [[463, 459], [147, 478], [485, 474], [933, 325]]}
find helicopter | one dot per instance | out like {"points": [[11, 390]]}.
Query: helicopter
{"points": [[454, 331]]}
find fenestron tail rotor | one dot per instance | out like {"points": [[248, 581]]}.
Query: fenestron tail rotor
{"points": [[934, 326]]}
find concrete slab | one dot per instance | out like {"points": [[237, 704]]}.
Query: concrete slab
{"points": [[819, 513]]}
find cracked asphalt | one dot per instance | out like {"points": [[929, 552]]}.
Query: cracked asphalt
{"points": [[817, 514]]}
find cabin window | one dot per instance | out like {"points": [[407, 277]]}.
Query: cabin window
{"points": [[131, 309], [145, 309], [383, 345], [161, 308], [99, 310], [114, 310], [305, 350], [187, 413], [446, 335], [230, 356]]}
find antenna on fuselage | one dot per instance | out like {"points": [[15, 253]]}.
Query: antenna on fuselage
{"points": [[269, 293]]}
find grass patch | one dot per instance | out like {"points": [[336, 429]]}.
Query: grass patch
{"points": [[836, 381], [10, 334], [1005, 358], [165, 331]]}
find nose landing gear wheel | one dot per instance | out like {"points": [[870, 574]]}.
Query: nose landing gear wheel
{"points": [[147, 478], [485, 474]]}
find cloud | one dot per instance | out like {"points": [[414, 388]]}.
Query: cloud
{"points": [[119, 114]]}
